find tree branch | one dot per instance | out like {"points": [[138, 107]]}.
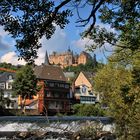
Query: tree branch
{"points": [[61, 5]]}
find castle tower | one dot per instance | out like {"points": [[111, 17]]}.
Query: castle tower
{"points": [[46, 62]]}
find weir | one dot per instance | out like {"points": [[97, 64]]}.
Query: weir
{"points": [[54, 118], [11, 125]]}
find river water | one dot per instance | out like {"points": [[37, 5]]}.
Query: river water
{"points": [[50, 124]]}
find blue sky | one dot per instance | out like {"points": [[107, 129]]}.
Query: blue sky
{"points": [[60, 41]]}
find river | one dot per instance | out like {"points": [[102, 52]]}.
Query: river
{"points": [[52, 124]]}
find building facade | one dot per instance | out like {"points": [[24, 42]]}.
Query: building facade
{"points": [[83, 88], [54, 96], [6, 80], [54, 92], [69, 58]]}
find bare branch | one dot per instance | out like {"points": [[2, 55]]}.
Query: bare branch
{"points": [[95, 7], [61, 5]]}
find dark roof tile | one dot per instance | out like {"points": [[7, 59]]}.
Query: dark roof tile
{"points": [[5, 76], [49, 72]]}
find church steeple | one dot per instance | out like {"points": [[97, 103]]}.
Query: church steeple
{"points": [[46, 62]]}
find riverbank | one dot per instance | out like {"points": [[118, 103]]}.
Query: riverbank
{"points": [[39, 135], [34, 135]]}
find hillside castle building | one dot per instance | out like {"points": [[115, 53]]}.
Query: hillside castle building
{"points": [[69, 58]]}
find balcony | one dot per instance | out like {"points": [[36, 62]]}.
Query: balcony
{"points": [[90, 99]]}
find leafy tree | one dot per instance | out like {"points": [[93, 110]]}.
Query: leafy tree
{"points": [[119, 89], [28, 21], [89, 66], [3, 102], [25, 84], [8, 66], [88, 110]]}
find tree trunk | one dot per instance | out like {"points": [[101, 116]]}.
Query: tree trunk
{"points": [[23, 106]]}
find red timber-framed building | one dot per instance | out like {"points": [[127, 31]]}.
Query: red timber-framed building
{"points": [[54, 95]]}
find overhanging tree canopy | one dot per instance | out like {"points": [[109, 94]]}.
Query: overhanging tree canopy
{"points": [[28, 21], [25, 83]]}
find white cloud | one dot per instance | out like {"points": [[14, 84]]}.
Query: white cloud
{"points": [[81, 43], [101, 53], [2, 32], [107, 27], [59, 43], [12, 58]]}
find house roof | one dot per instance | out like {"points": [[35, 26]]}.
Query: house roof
{"points": [[89, 76], [29, 102], [49, 72], [69, 74], [5, 76]]}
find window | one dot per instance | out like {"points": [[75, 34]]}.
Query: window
{"points": [[68, 95], [66, 86], [56, 84], [83, 89], [48, 94], [9, 85], [51, 84], [62, 85], [7, 95], [2, 85], [56, 95]]}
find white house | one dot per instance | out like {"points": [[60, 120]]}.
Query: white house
{"points": [[6, 80]]}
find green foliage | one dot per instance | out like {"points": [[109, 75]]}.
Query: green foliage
{"points": [[123, 17], [91, 130], [88, 110], [118, 86], [3, 102], [90, 66], [25, 83], [29, 21], [8, 66]]}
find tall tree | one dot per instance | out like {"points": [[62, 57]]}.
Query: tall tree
{"points": [[28, 21], [25, 84], [118, 86]]}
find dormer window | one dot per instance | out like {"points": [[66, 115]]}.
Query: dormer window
{"points": [[10, 77], [83, 89]]}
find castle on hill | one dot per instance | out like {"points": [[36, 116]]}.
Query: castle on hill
{"points": [[68, 58]]}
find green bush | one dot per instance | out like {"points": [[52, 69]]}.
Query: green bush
{"points": [[88, 110], [91, 130]]}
